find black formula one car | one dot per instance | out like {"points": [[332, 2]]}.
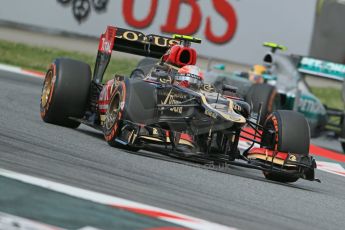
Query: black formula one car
{"points": [[171, 109]]}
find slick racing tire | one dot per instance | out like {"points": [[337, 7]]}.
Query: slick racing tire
{"points": [[65, 92], [133, 100], [137, 74], [265, 94], [280, 177], [292, 135], [114, 114]]}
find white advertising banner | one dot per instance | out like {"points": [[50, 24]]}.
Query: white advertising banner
{"points": [[230, 29]]}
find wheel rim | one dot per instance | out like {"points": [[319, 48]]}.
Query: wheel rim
{"points": [[47, 89], [113, 111]]}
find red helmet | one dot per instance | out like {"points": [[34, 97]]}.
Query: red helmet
{"points": [[189, 76]]}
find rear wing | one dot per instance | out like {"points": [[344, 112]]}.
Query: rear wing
{"points": [[128, 41], [135, 42], [320, 68]]}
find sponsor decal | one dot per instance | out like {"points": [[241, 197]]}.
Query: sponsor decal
{"points": [[81, 8], [197, 17], [223, 7], [173, 99], [155, 131], [309, 105], [106, 42], [167, 80], [156, 40], [208, 87], [106, 45], [292, 157], [322, 68]]}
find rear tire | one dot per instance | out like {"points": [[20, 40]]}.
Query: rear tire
{"points": [[292, 136], [146, 64], [65, 92], [143, 68], [265, 94]]}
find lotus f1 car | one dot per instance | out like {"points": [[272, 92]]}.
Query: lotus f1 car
{"points": [[172, 110]]}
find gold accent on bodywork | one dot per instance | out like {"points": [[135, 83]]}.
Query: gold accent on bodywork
{"points": [[292, 158], [102, 118], [269, 159], [134, 138], [231, 115], [208, 87], [181, 141], [167, 80], [131, 135], [155, 131], [185, 142], [151, 138]]}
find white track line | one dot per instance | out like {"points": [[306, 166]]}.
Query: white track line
{"points": [[330, 167], [169, 216], [15, 69], [11, 222]]}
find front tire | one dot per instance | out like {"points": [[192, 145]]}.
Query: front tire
{"points": [[114, 115], [65, 92], [280, 177], [292, 135], [132, 100]]}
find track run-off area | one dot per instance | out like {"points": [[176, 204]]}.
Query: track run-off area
{"points": [[64, 162]]}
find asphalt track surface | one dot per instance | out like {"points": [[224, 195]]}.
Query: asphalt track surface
{"points": [[241, 198]]}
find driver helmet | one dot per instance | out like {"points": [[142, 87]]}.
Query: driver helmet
{"points": [[189, 76], [259, 69], [255, 75]]}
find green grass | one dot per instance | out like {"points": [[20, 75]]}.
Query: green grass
{"points": [[39, 58], [329, 96]]}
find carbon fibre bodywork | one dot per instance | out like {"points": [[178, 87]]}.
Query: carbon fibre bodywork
{"points": [[200, 124]]}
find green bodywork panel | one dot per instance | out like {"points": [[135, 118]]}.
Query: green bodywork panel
{"points": [[308, 105]]}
